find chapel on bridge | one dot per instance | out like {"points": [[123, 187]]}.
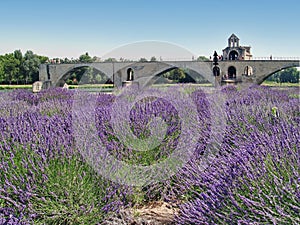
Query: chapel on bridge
{"points": [[236, 52]]}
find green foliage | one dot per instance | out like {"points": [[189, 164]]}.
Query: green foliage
{"points": [[290, 75], [16, 68], [179, 75], [143, 60], [18, 55], [13, 87], [87, 75], [43, 59], [67, 190], [31, 67], [71, 190], [110, 60], [202, 58], [153, 59], [176, 75], [85, 58], [11, 67], [255, 194]]}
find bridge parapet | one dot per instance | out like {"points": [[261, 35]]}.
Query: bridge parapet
{"points": [[283, 58]]}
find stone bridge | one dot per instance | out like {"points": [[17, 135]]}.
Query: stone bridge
{"points": [[231, 71]]}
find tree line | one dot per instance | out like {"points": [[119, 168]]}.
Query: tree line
{"points": [[16, 68]]}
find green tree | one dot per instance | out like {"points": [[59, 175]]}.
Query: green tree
{"points": [[66, 60], [202, 58], [85, 58], [11, 68], [31, 65], [153, 59], [19, 56], [290, 75], [87, 77], [143, 60], [2, 73], [176, 75], [43, 59], [15, 68], [98, 78], [111, 60]]}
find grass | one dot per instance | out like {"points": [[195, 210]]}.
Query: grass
{"points": [[67, 198], [72, 192], [191, 84], [275, 84], [109, 86], [15, 86], [91, 86]]}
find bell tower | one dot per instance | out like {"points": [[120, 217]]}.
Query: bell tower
{"points": [[233, 41], [236, 52]]}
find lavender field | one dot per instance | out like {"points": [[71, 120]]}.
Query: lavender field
{"points": [[238, 159]]}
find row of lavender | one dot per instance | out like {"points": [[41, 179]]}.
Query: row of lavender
{"points": [[43, 177], [254, 176], [255, 179]]}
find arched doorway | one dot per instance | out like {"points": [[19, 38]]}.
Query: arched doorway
{"points": [[216, 71], [231, 72], [130, 76], [248, 71], [233, 55]]}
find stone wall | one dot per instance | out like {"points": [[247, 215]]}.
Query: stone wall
{"points": [[146, 71]]}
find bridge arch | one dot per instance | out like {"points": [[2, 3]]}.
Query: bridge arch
{"points": [[144, 72], [141, 72], [158, 75], [195, 70], [67, 74], [276, 71], [194, 76]]}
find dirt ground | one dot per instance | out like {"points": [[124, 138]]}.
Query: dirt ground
{"points": [[153, 213]]}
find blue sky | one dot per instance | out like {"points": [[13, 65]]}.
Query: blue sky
{"points": [[70, 28]]}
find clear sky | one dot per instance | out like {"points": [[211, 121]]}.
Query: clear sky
{"points": [[58, 28]]}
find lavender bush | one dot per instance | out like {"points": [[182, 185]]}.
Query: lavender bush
{"points": [[252, 177], [43, 177], [140, 115], [255, 178]]}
